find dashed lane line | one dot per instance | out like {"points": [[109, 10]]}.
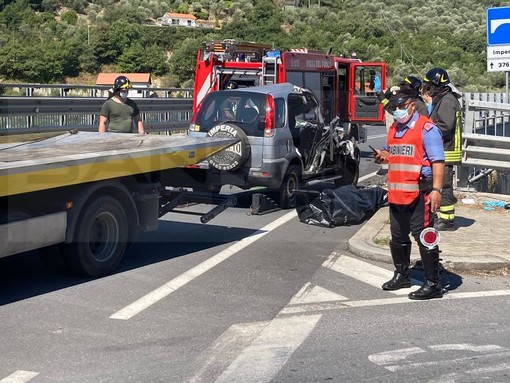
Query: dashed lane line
{"points": [[19, 376], [168, 288]]}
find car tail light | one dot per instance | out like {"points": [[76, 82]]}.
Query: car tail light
{"points": [[193, 126], [269, 120]]}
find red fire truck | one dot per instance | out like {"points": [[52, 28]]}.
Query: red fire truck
{"points": [[346, 87]]}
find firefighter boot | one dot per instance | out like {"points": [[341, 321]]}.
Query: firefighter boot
{"points": [[401, 254], [432, 286], [444, 225]]}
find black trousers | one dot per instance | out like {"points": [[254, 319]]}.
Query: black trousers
{"points": [[410, 219]]}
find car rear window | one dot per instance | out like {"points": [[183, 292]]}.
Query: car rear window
{"points": [[244, 109]]}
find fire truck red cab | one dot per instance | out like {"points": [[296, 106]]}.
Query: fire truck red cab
{"points": [[345, 87]]}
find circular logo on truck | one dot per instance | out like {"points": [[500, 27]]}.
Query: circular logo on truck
{"points": [[234, 156]]}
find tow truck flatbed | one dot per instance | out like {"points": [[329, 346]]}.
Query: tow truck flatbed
{"points": [[70, 159]]}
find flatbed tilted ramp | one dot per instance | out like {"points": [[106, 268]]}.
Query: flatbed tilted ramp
{"points": [[70, 159]]}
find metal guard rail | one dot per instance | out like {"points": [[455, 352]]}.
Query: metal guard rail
{"points": [[492, 148], [48, 114], [486, 151]]}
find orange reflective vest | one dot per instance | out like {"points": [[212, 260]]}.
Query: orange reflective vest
{"points": [[406, 161]]}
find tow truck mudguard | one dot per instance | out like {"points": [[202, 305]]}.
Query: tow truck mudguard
{"points": [[108, 187]]}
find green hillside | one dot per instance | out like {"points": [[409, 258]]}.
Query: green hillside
{"points": [[50, 41]]}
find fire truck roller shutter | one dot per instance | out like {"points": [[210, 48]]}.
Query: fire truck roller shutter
{"points": [[234, 156]]}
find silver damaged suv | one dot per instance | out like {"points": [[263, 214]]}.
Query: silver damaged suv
{"points": [[284, 141]]}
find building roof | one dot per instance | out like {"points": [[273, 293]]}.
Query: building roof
{"points": [[109, 78], [180, 15]]}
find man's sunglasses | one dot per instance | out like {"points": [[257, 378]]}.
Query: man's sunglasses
{"points": [[402, 105]]}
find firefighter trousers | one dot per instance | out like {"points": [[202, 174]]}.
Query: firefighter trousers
{"points": [[447, 209]]}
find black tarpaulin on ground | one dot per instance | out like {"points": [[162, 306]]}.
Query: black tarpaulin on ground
{"points": [[346, 205]]}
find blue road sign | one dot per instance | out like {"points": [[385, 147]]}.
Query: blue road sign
{"points": [[498, 26]]}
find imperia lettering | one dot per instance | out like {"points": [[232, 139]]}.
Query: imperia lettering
{"points": [[223, 128], [402, 150]]}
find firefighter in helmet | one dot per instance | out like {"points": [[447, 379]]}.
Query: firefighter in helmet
{"points": [[446, 114], [416, 84], [232, 85], [415, 157], [119, 113]]}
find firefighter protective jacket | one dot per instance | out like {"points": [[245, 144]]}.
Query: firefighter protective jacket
{"points": [[406, 161], [447, 116]]}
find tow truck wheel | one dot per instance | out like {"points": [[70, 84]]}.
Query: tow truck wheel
{"points": [[100, 238], [289, 184]]}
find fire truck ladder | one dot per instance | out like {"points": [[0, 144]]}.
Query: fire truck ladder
{"points": [[233, 50], [269, 70]]}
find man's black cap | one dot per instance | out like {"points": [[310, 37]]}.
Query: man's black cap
{"points": [[401, 95]]}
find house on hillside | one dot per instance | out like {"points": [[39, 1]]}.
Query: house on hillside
{"points": [[139, 81], [178, 19]]}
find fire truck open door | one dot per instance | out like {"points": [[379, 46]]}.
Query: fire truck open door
{"points": [[365, 81]]}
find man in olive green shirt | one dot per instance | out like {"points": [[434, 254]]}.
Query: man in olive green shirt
{"points": [[120, 114]]}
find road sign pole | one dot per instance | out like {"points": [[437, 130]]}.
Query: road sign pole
{"points": [[506, 88]]}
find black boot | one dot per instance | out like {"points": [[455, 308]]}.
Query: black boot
{"points": [[432, 287], [401, 254]]}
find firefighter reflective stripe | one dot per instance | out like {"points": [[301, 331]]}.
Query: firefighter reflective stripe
{"points": [[447, 212], [404, 168], [455, 155], [403, 187]]}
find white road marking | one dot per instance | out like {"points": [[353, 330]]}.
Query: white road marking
{"points": [[375, 136], [468, 347], [176, 283], [479, 358], [390, 357], [267, 354], [368, 176], [365, 272], [225, 349], [468, 374], [497, 367], [19, 376], [386, 301], [311, 293]]}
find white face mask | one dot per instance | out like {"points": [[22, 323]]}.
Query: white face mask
{"points": [[123, 95], [401, 115]]}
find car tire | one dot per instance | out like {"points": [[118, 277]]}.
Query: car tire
{"points": [[290, 183], [233, 157]]}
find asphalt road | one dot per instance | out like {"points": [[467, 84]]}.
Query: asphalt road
{"points": [[247, 298]]}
